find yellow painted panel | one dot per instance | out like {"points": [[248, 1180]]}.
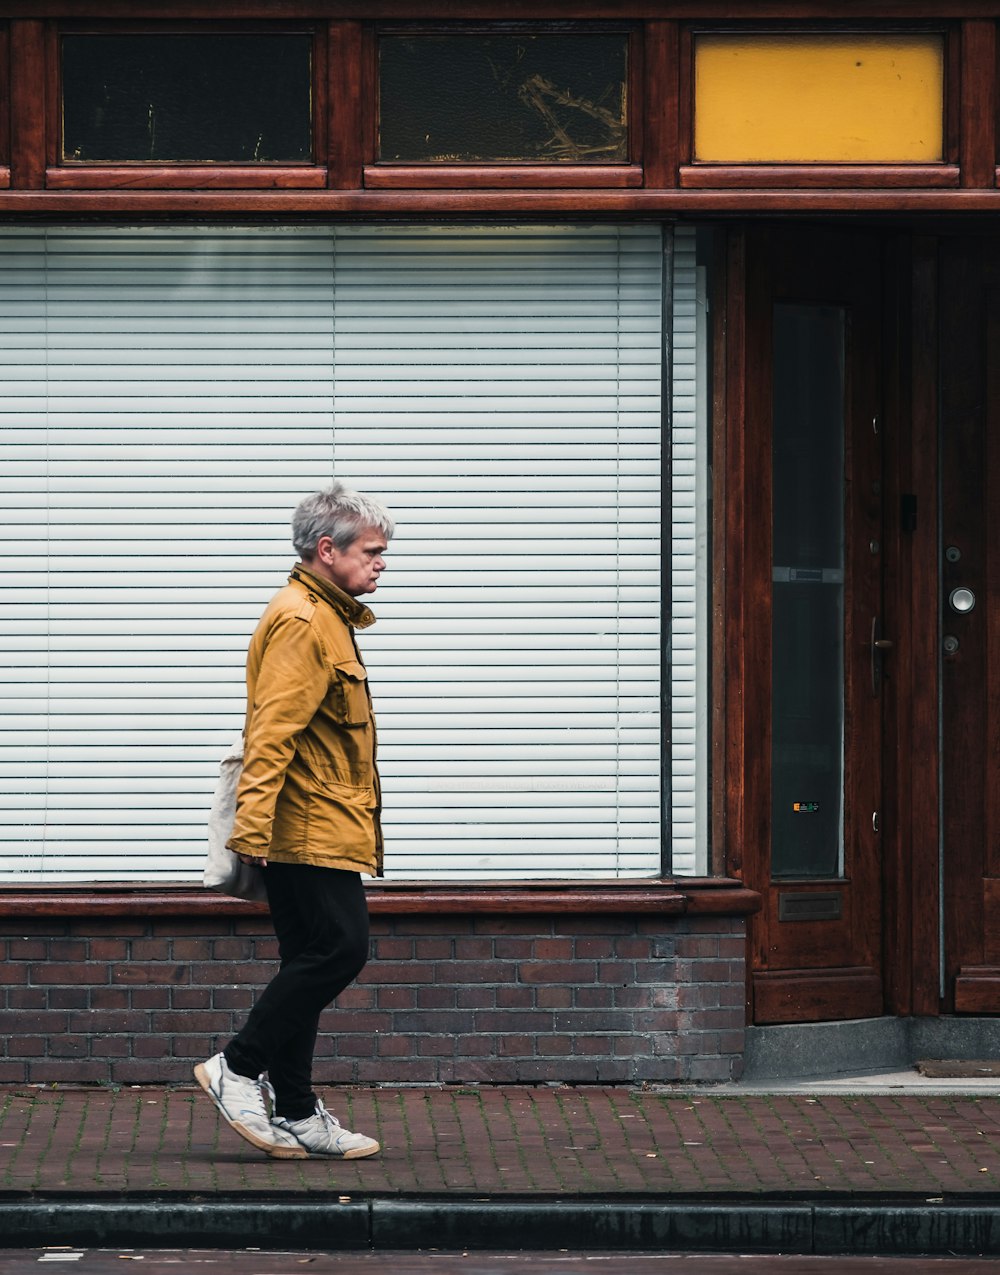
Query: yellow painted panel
{"points": [[836, 99]]}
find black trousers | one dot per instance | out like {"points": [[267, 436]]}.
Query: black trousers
{"points": [[320, 916]]}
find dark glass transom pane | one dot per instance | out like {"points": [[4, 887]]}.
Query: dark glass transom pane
{"points": [[469, 98], [243, 99]]}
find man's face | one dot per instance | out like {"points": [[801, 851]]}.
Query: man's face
{"points": [[355, 569]]}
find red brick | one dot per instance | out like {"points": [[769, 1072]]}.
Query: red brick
{"points": [[114, 927], [143, 973], [514, 949], [27, 998], [239, 998], [354, 1046], [47, 1022], [69, 997], [594, 997], [136, 1071], [436, 1047], [557, 972], [105, 949], [554, 949], [396, 997], [191, 998], [69, 1046], [438, 949], [553, 1046], [394, 949], [513, 996], [28, 950], [110, 1020], [436, 997], [393, 972], [150, 950], [26, 1046], [557, 997], [69, 975], [67, 950], [479, 996], [472, 949], [599, 949], [205, 1021], [633, 949], [149, 997], [13, 975], [232, 949], [355, 997], [520, 1046], [396, 1071], [109, 998], [49, 1071], [509, 1020], [395, 1046], [193, 949]]}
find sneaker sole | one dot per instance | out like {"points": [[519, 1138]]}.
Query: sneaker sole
{"points": [[360, 1154], [275, 1152]]}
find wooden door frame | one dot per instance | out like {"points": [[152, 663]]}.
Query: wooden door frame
{"points": [[742, 616]]}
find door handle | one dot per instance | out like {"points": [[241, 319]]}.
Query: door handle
{"points": [[879, 646]]}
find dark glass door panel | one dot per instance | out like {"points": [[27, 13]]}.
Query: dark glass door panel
{"points": [[807, 728]]}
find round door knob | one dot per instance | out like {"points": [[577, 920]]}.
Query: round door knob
{"points": [[961, 600]]}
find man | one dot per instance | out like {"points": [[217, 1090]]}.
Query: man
{"points": [[308, 813]]}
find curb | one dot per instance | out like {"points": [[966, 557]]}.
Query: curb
{"points": [[962, 1226]]}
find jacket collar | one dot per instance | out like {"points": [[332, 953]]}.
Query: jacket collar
{"points": [[355, 613]]}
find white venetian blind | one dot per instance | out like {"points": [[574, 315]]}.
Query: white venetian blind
{"points": [[169, 395]]}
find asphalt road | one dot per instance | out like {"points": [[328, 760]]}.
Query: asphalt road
{"points": [[210, 1262]]}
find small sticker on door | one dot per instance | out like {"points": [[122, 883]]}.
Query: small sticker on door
{"points": [[805, 807]]}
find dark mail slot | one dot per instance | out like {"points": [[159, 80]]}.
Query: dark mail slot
{"points": [[811, 906]]}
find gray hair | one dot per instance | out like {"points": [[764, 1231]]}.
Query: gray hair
{"points": [[339, 513]]}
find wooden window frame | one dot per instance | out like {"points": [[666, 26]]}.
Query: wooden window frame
{"points": [[4, 106], [208, 174], [709, 175], [385, 175]]}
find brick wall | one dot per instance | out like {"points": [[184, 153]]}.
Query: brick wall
{"points": [[491, 999]]}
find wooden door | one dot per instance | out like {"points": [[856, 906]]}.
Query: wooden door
{"points": [[815, 547], [969, 628]]}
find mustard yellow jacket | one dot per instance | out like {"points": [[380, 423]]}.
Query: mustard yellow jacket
{"points": [[309, 792]]}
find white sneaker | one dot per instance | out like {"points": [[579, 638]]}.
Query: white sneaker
{"points": [[241, 1101], [322, 1134]]}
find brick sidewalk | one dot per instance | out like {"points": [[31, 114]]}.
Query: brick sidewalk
{"points": [[513, 1141]]}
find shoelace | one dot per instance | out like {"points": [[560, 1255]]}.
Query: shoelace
{"points": [[328, 1118]]}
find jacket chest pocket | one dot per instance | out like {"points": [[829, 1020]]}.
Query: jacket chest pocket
{"points": [[349, 693]]}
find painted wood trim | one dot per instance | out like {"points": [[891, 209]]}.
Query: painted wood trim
{"points": [[184, 177], [513, 10], [919, 731], [28, 95], [501, 176], [801, 996], [345, 93], [978, 144], [657, 114], [819, 176], [701, 896], [486, 202]]}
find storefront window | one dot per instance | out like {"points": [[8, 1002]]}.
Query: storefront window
{"points": [[466, 98], [232, 98]]}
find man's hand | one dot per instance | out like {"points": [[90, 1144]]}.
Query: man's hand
{"points": [[252, 861]]}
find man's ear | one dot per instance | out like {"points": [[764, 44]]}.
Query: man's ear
{"points": [[325, 550]]}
